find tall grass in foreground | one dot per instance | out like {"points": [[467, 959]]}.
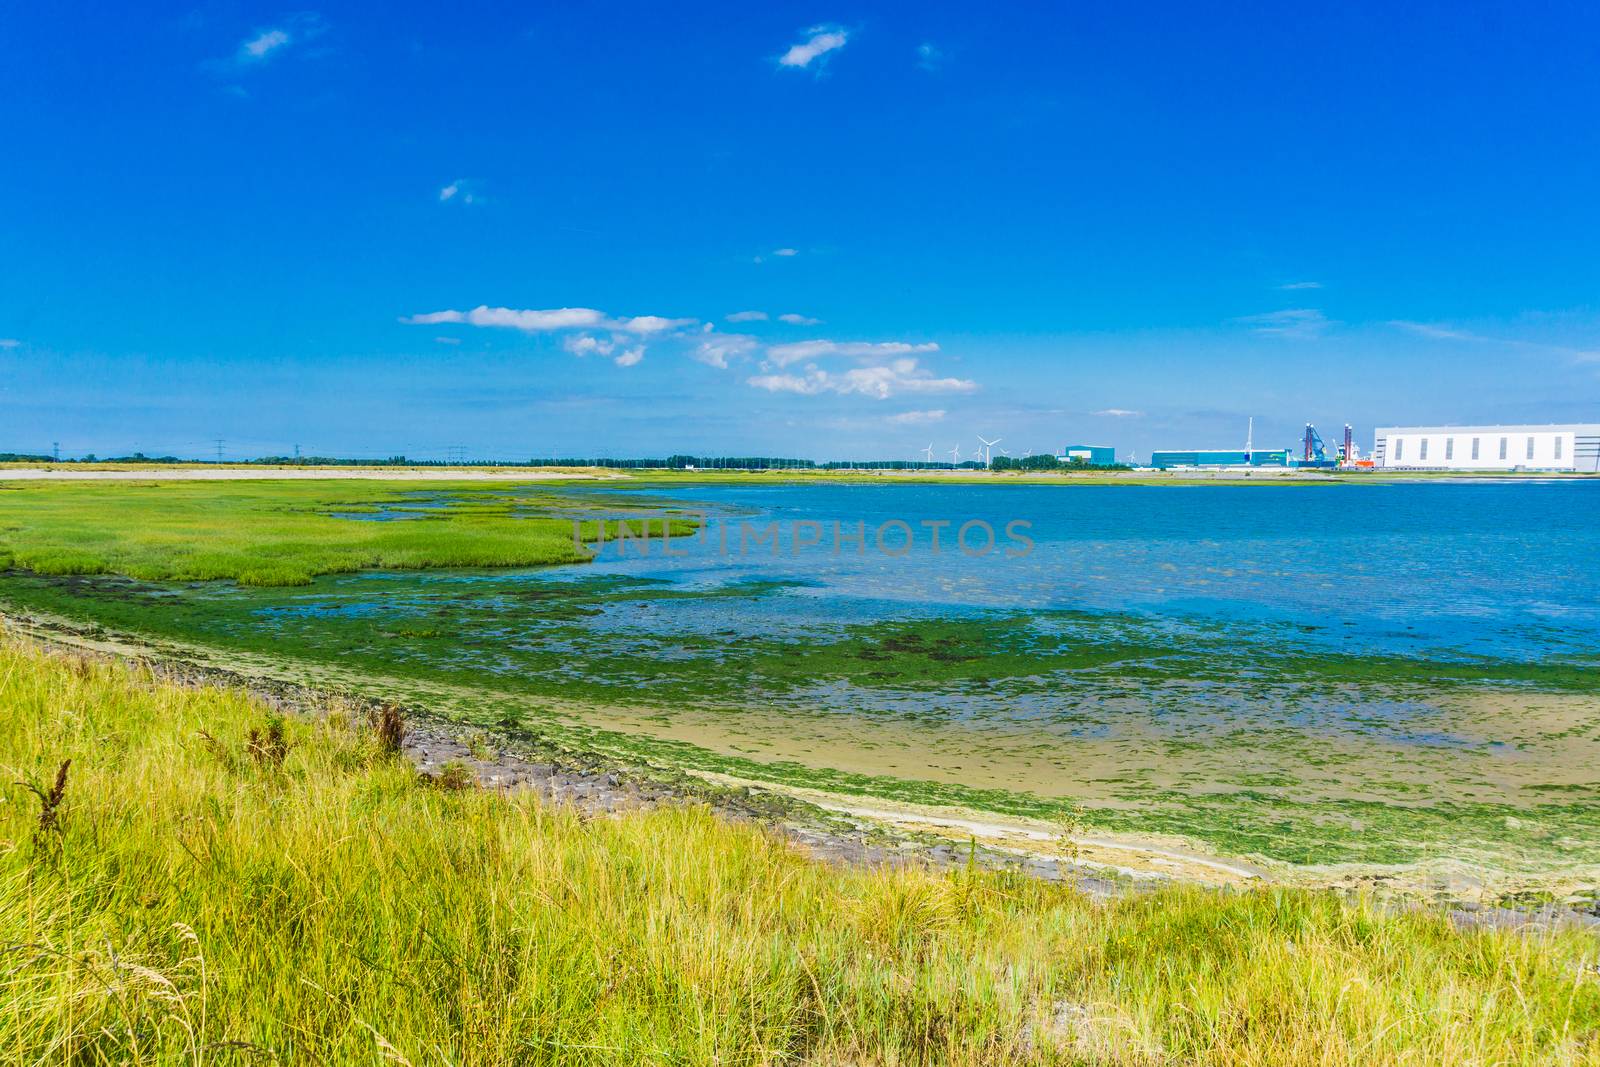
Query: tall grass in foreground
{"points": [[205, 894]]}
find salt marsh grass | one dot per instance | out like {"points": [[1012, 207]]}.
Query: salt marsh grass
{"points": [[197, 904], [277, 533]]}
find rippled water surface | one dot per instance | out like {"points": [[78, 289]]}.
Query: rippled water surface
{"points": [[1504, 569]]}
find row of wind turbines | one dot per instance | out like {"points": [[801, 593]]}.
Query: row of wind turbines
{"points": [[984, 452]]}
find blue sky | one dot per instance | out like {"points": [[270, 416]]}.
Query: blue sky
{"points": [[790, 228]]}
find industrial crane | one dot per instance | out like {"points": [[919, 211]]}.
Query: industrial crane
{"points": [[1315, 453]]}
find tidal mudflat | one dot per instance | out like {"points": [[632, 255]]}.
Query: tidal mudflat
{"points": [[1324, 679]]}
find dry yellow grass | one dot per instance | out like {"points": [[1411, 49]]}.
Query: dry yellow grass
{"points": [[198, 899]]}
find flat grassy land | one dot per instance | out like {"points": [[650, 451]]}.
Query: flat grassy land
{"points": [[280, 532], [196, 893]]}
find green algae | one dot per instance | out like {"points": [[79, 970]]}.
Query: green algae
{"points": [[500, 647]]}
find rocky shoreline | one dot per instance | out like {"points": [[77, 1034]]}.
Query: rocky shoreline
{"points": [[599, 791]]}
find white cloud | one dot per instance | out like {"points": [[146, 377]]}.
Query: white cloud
{"points": [[783, 355], [799, 320], [717, 349], [9, 342], [785, 252], [529, 321], [883, 368], [648, 324], [587, 345], [623, 347], [272, 41], [263, 45], [1436, 333], [790, 383], [820, 40], [748, 316], [448, 340], [1119, 413], [883, 381], [462, 191], [1291, 322], [887, 368], [929, 56], [584, 344], [912, 418], [1289, 286]]}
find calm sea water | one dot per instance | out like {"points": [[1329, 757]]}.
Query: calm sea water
{"points": [[1509, 569]]}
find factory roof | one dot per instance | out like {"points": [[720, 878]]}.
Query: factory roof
{"points": [[1586, 427]]}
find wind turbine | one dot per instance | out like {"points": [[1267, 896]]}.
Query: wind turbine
{"points": [[955, 455], [985, 450], [928, 452]]}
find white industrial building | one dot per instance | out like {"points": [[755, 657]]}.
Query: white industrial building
{"points": [[1566, 447]]}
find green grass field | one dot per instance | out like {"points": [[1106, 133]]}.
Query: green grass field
{"points": [[193, 897], [279, 532]]}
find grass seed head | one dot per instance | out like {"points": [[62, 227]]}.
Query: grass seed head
{"points": [[390, 727], [269, 746], [49, 826]]}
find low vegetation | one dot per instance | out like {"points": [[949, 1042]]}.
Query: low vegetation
{"points": [[186, 876], [280, 533]]}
